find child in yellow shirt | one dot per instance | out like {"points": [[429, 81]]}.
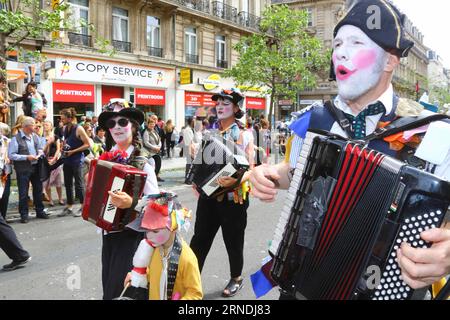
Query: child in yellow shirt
{"points": [[163, 262]]}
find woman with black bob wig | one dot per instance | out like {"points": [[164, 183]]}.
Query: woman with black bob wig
{"points": [[122, 124]]}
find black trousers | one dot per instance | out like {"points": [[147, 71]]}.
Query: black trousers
{"points": [[9, 242], [117, 260], [232, 218], [4, 201], [157, 159], [71, 172]]}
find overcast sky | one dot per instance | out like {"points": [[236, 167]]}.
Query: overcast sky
{"points": [[432, 17]]}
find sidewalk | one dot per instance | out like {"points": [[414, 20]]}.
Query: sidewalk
{"points": [[175, 163]]}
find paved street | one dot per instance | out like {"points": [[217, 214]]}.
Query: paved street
{"points": [[65, 247]]}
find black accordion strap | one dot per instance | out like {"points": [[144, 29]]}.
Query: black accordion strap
{"points": [[136, 188], [339, 116], [404, 124], [444, 294], [174, 259]]}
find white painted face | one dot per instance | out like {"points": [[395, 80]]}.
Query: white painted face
{"points": [[119, 133], [224, 108], [358, 62], [159, 236]]}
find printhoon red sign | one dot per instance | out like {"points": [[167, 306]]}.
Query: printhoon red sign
{"points": [[73, 92]]}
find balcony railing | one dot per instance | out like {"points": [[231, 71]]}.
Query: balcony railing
{"points": [[121, 45], [155, 52], [80, 39], [199, 5], [191, 58], [222, 64], [224, 11], [248, 20]]}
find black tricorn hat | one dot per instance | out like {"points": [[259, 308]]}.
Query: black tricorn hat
{"points": [[382, 22]]}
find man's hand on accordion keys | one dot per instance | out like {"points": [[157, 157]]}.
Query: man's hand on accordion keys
{"points": [[423, 267], [121, 199]]}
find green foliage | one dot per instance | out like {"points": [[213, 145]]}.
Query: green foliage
{"points": [[21, 20], [284, 58], [440, 95]]}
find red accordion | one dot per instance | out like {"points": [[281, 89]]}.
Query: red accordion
{"points": [[107, 176]]}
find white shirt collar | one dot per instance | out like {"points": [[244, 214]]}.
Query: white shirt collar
{"points": [[386, 99]]}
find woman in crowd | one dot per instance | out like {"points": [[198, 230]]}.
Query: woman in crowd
{"points": [[122, 133], [188, 137], [100, 137], [17, 125], [34, 102], [4, 103], [168, 130], [152, 143], [227, 211], [75, 143], [52, 151], [5, 169], [265, 134]]}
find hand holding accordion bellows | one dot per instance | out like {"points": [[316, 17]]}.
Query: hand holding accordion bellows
{"points": [[423, 267], [120, 199]]}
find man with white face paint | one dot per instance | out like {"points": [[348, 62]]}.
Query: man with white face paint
{"points": [[368, 44]]}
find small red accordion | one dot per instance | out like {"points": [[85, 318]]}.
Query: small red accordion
{"points": [[107, 176]]}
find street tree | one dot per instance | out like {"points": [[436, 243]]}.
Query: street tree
{"points": [[27, 25], [283, 59]]}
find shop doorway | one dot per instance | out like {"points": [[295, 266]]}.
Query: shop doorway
{"points": [[151, 110], [82, 109]]}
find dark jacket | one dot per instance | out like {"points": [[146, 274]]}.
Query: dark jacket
{"points": [[26, 99]]}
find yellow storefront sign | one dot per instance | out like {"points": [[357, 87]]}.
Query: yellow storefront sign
{"points": [[185, 76], [212, 82]]}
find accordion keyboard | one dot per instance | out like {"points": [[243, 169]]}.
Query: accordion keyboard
{"points": [[392, 286], [292, 192]]}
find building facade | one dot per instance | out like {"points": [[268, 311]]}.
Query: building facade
{"points": [[324, 15], [168, 60]]}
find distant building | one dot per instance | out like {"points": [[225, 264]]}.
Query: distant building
{"points": [[324, 15]]}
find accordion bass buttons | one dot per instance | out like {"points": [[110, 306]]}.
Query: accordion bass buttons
{"points": [[409, 232]]}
